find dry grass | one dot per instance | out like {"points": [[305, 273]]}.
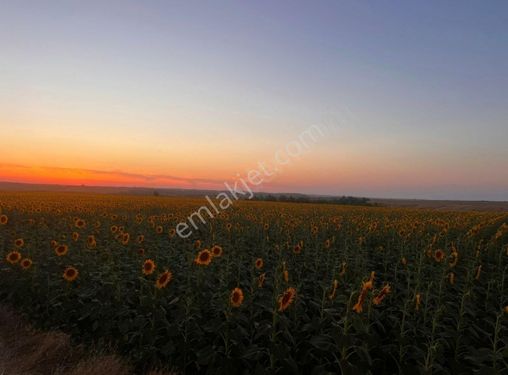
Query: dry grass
{"points": [[24, 351]]}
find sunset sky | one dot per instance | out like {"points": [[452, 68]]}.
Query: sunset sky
{"points": [[188, 94]]}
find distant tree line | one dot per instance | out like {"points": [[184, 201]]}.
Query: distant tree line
{"points": [[345, 200]]}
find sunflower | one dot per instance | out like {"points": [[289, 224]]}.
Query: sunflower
{"points": [[140, 238], [454, 257], [236, 297], [229, 226], [297, 249], [334, 289], [70, 274], [382, 294], [259, 263], [372, 276], [418, 301], [125, 238], [366, 286], [141, 251], [285, 275], [75, 236], [61, 250], [203, 258], [91, 242], [164, 279], [343, 269], [287, 298], [113, 229], [53, 244], [19, 243], [261, 280], [172, 232], [148, 267], [216, 251], [439, 255], [197, 244], [327, 244], [3, 219], [266, 226], [451, 278], [13, 257], [26, 263], [79, 223]]}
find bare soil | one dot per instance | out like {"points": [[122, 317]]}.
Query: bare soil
{"points": [[25, 351]]}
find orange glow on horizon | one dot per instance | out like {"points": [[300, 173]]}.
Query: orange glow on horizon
{"points": [[76, 176]]}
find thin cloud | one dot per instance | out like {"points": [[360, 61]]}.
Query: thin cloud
{"points": [[79, 175]]}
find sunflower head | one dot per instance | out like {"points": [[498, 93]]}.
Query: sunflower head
{"points": [[236, 297], [164, 279], [285, 275], [172, 232], [259, 263], [61, 250], [287, 298], [75, 236], [439, 255], [26, 263], [19, 243], [297, 249], [368, 285], [203, 258], [70, 274], [13, 257], [216, 251], [3, 219], [140, 238], [79, 223], [261, 280], [148, 267], [91, 242], [382, 294]]}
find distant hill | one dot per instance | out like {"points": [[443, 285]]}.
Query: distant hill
{"points": [[276, 197], [444, 205], [15, 186]]}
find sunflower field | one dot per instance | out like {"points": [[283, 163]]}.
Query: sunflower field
{"points": [[264, 287]]}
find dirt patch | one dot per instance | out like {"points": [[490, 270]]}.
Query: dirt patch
{"points": [[24, 351]]}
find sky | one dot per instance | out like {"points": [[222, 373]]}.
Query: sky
{"points": [[193, 94]]}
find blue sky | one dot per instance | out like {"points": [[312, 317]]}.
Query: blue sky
{"points": [[426, 82]]}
